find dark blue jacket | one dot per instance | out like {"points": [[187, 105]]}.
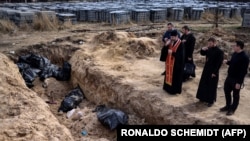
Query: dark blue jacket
{"points": [[167, 35]]}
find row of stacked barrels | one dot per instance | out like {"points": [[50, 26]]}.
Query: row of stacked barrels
{"points": [[118, 13]]}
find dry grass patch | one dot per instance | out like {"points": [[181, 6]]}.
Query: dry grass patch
{"points": [[43, 22], [6, 26]]}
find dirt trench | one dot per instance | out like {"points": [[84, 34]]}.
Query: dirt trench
{"points": [[117, 84], [57, 52]]}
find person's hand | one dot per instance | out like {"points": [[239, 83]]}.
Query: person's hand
{"points": [[183, 41], [204, 48], [225, 61], [237, 86], [213, 75], [167, 42], [170, 51]]}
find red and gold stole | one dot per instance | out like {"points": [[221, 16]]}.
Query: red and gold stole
{"points": [[170, 62]]}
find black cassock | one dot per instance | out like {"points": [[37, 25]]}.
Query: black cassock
{"points": [[177, 75], [207, 89]]}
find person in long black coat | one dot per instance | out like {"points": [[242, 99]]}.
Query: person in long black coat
{"points": [[174, 65], [188, 41], [207, 89]]}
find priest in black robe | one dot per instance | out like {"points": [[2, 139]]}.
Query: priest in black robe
{"points": [[174, 65], [207, 89]]}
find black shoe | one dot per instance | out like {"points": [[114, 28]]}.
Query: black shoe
{"points": [[224, 109], [201, 101], [209, 104], [193, 75], [163, 73], [185, 79], [230, 112]]}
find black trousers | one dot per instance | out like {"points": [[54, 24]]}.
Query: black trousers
{"points": [[229, 87]]}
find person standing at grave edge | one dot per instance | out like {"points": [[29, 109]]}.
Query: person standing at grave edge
{"points": [[237, 70], [166, 40], [207, 89], [174, 65], [188, 40]]}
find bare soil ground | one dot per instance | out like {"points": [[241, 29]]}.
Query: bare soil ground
{"points": [[129, 54]]}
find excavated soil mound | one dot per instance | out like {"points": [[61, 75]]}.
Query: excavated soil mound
{"points": [[124, 44], [24, 115]]}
